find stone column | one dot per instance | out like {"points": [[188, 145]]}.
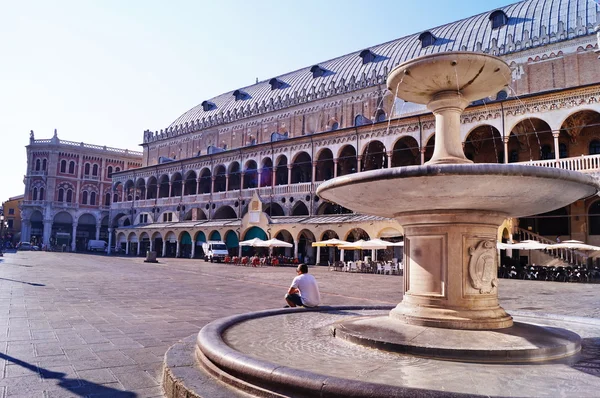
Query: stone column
{"points": [[274, 175], [555, 135], [157, 189], [212, 184], [151, 245], [289, 166], [423, 149], [25, 230], [73, 238], [358, 163], [177, 249], [193, 249], [258, 179], [170, 188], [314, 172], [139, 246], [505, 142], [127, 247], [318, 260], [109, 240], [226, 182], [164, 248], [295, 249], [98, 225], [197, 186], [335, 167], [389, 159]]}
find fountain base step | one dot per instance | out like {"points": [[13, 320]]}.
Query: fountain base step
{"points": [[521, 342]]}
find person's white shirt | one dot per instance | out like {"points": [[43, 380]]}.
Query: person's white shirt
{"points": [[309, 290]]}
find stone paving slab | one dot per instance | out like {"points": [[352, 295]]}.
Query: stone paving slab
{"points": [[74, 325]]}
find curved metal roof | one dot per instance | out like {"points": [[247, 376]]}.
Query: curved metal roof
{"points": [[531, 23]]}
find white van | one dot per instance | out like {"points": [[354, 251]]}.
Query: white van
{"points": [[96, 245], [214, 251]]}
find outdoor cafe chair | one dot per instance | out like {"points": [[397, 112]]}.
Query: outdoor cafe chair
{"points": [[387, 269]]}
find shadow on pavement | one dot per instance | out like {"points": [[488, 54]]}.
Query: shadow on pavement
{"points": [[27, 283], [78, 387]]}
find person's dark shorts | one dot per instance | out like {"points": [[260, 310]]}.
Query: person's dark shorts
{"points": [[294, 298]]}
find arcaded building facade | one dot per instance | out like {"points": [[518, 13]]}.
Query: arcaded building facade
{"points": [[247, 163], [68, 191]]}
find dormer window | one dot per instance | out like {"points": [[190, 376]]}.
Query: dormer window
{"points": [[499, 19], [240, 95], [427, 39], [208, 106], [276, 83], [317, 71], [367, 56]]}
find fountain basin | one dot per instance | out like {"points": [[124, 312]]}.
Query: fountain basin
{"points": [[511, 189]]}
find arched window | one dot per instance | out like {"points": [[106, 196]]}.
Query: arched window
{"points": [[35, 194], [86, 169], [380, 116], [498, 19], [107, 199], [562, 150], [84, 198], [93, 198], [117, 169], [95, 170], [359, 120], [427, 39], [69, 195], [63, 166], [594, 147], [115, 198], [109, 171], [61, 195], [71, 167], [335, 126], [38, 165], [44, 164], [41, 196]]}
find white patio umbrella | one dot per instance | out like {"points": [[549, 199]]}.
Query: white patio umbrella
{"points": [[251, 242], [386, 243], [273, 243], [364, 245]]}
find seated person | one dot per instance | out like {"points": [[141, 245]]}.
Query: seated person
{"points": [[304, 290]]}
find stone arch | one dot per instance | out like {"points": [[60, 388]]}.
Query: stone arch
{"points": [[356, 234], [406, 152], [176, 184], [224, 213], [389, 232], [163, 186], [429, 147], [374, 156], [140, 189], [281, 174], [266, 175], [347, 160], [329, 234], [250, 175], [214, 235], [325, 165], [205, 181], [128, 190], [301, 168], [231, 241], [220, 178], [234, 173], [285, 236], [529, 136], [306, 253], [152, 188], [300, 209], [484, 144], [189, 187], [581, 131], [273, 209]]}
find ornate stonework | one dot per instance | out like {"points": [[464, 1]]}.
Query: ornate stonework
{"points": [[482, 266]]}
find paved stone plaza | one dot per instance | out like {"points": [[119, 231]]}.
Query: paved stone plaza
{"points": [[84, 325]]}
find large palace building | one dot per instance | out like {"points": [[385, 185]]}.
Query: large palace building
{"points": [[68, 191], [248, 162]]}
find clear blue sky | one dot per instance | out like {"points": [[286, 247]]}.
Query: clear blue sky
{"points": [[104, 71]]}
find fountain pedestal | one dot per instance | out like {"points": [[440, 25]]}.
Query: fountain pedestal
{"points": [[451, 270]]}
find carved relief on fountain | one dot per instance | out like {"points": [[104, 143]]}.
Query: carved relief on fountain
{"points": [[482, 268]]}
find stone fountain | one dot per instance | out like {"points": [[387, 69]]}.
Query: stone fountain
{"points": [[450, 210]]}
